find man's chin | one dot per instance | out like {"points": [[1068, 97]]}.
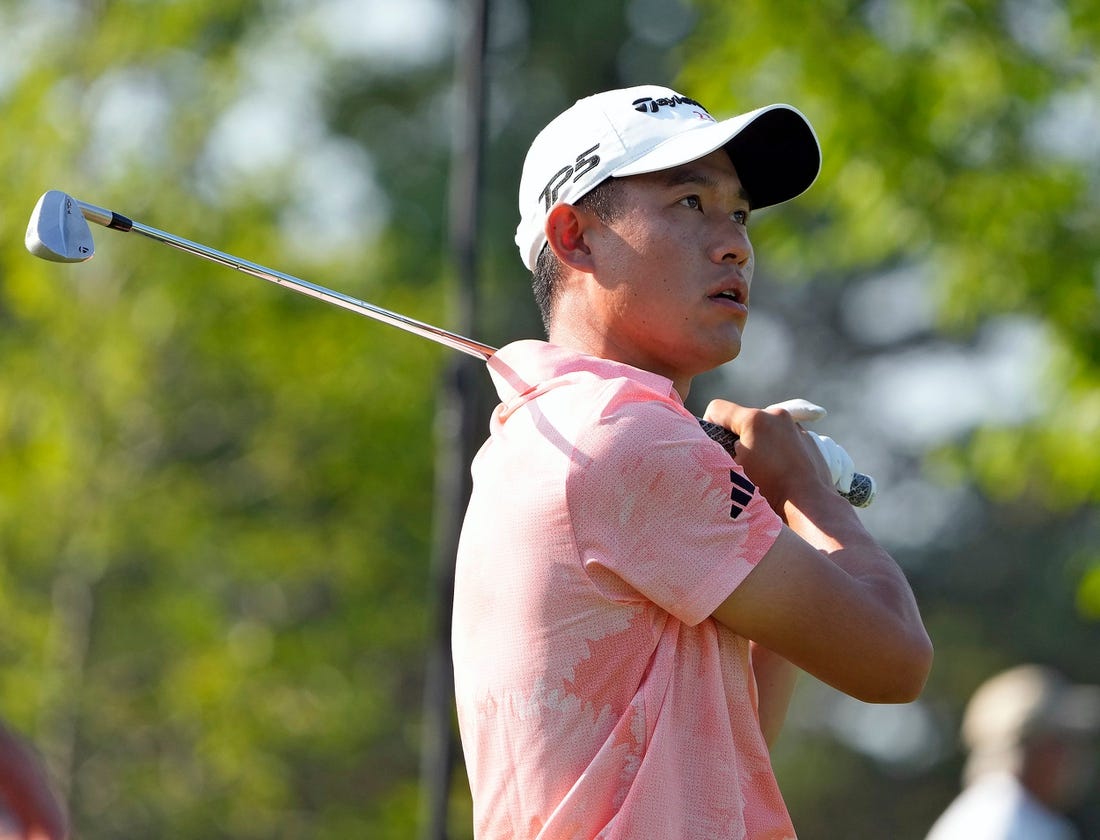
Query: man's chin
{"points": [[729, 351]]}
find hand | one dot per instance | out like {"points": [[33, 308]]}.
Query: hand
{"points": [[775, 452], [841, 467]]}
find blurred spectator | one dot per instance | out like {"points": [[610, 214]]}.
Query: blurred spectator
{"points": [[29, 810], [1031, 741]]}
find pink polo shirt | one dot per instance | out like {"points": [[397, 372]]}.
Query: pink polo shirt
{"points": [[596, 696]]}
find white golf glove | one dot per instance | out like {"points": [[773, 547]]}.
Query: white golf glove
{"points": [[841, 467]]}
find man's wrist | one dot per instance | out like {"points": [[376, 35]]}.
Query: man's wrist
{"points": [[824, 519]]}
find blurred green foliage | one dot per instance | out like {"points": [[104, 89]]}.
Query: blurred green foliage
{"points": [[216, 497]]}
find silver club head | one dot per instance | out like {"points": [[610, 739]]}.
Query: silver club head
{"points": [[58, 230]]}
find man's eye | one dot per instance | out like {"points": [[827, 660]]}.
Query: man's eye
{"points": [[740, 216], [692, 201]]}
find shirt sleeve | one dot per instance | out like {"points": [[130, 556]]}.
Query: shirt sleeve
{"points": [[664, 509]]}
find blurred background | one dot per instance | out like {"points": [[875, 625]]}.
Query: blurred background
{"points": [[222, 569]]}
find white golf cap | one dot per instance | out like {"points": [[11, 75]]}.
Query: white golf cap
{"points": [[649, 128]]}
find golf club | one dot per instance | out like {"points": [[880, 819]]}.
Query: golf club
{"points": [[58, 231]]}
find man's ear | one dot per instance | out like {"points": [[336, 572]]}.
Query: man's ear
{"points": [[567, 229]]}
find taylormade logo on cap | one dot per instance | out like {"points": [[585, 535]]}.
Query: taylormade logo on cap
{"points": [[650, 128], [587, 160]]}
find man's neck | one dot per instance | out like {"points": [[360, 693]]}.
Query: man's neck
{"points": [[593, 343]]}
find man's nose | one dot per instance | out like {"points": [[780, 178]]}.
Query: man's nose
{"points": [[732, 244]]}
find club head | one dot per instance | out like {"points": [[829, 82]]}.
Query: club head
{"points": [[58, 230]]}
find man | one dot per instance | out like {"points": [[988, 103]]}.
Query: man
{"points": [[1031, 737], [631, 605]]}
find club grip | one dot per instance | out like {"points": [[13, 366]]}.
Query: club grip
{"points": [[860, 494]]}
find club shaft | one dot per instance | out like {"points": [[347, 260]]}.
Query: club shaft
{"points": [[110, 219], [862, 488]]}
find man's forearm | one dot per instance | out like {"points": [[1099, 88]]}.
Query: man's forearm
{"points": [[832, 527]]}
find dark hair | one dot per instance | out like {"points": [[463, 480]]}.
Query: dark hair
{"points": [[605, 202]]}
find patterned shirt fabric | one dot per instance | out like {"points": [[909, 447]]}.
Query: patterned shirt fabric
{"points": [[596, 696]]}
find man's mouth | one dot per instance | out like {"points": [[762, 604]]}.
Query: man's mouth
{"points": [[733, 295]]}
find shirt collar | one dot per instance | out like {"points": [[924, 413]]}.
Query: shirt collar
{"points": [[525, 368]]}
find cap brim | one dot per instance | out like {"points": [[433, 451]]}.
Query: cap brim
{"points": [[774, 149], [777, 156]]}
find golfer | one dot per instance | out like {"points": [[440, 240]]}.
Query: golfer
{"points": [[632, 605]]}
